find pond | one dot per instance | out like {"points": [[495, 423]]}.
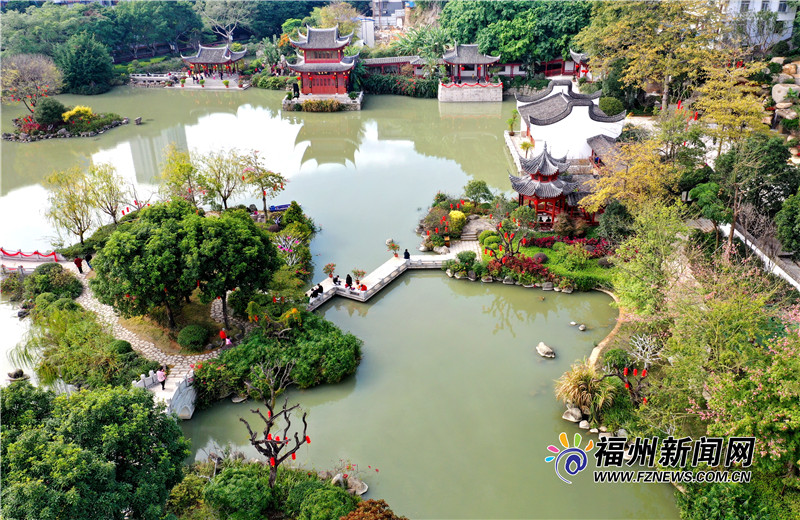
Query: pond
{"points": [[451, 402]]}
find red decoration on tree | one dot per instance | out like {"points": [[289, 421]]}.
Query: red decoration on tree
{"points": [[436, 229], [278, 438], [451, 205], [274, 300], [634, 372], [269, 436], [308, 439], [644, 401], [127, 209], [269, 413], [428, 232], [265, 192], [625, 371], [272, 461], [294, 456], [627, 385]]}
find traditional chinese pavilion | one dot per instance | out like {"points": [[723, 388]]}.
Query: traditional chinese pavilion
{"points": [[546, 186], [581, 60], [465, 62], [210, 59], [323, 69]]}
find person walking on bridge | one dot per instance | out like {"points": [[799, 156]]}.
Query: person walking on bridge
{"points": [[161, 376]]}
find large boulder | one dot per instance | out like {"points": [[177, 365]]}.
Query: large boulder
{"points": [[547, 286], [785, 104], [442, 250], [573, 415], [780, 90], [583, 425], [508, 280], [545, 351], [786, 113], [790, 68]]}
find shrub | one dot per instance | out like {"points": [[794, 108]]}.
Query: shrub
{"points": [[616, 223], [611, 106], [193, 337], [120, 346], [479, 268], [48, 111], [373, 510], [779, 49], [540, 258], [576, 257], [617, 358], [298, 495], [485, 234], [353, 95], [326, 503], [45, 299], [559, 246], [187, 494], [241, 492], [52, 278], [605, 262], [77, 112], [491, 240], [12, 286], [437, 240], [321, 105], [457, 221], [400, 85], [790, 124], [466, 258]]}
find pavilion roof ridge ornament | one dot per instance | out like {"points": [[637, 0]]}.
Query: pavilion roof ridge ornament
{"points": [[545, 164]]}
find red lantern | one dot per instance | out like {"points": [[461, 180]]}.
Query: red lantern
{"points": [[505, 235], [272, 461], [278, 438], [627, 385], [274, 300], [242, 177], [294, 456], [308, 439], [634, 372], [625, 371], [265, 192], [136, 203], [269, 436], [512, 236], [451, 205], [269, 413], [127, 209], [428, 232], [644, 401], [644, 373], [198, 284], [436, 229], [490, 215], [462, 202]]}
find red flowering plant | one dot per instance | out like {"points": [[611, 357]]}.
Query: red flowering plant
{"points": [[213, 381]]}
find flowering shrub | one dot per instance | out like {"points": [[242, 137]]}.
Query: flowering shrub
{"points": [[78, 112], [213, 380], [321, 105], [28, 125]]}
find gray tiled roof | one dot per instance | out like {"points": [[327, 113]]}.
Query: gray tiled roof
{"points": [[321, 39], [579, 57], [468, 55], [573, 187], [549, 90], [544, 164], [390, 60], [215, 55], [602, 145], [553, 109], [346, 64]]}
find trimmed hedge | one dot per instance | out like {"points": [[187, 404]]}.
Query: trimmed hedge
{"points": [[400, 85], [193, 337]]}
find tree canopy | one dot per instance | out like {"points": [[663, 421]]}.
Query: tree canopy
{"points": [[27, 78], [86, 65]]}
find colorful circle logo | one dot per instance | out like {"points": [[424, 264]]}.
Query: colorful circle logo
{"points": [[572, 459]]}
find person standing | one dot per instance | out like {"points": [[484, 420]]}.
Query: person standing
{"points": [[88, 259], [223, 337], [161, 376], [79, 264]]}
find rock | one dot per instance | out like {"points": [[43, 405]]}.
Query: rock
{"points": [[473, 217], [780, 90], [460, 275], [584, 425], [449, 273], [325, 475], [23, 135], [472, 276], [603, 429], [547, 286], [568, 290], [338, 480], [209, 347], [789, 68], [557, 289], [777, 60], [572, 323], [594, 430], [356, 486], [238, 399], [423, 248], [785, 78], [486, 279], [766, 120], [582, 327], [572, 415], [586, 411], [442, 250], [621, 433], [546, 352], [62, 131], [786, 113], [508, 280], [604, 435], [785, 104]]}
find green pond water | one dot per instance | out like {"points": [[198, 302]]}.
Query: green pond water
{"points": [[451, 403]]}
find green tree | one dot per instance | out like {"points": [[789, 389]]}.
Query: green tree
{"points": [[659, 41], [477, 191], [86, 64], [221, 174], [225, 16], [788, 222], [99, 454], [647, 259], [179, 177], [227, 253], [616, 223], [27, 78], [106, 189], [242, 492], [143, 265], [264, 182], [140, 23], [339, 14], [70, 205], [24, 407], [706, 198]]}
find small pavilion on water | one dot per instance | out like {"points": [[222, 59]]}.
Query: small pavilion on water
{"points": [[215, 59], [466, 63], [323, 69]]}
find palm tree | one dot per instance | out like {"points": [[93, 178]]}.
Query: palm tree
{"points": [[526, 145]]}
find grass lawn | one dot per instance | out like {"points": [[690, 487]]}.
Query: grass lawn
{"points": [[152, 329]]}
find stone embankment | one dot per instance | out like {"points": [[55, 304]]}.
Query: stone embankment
{"points": [[62, 133]]}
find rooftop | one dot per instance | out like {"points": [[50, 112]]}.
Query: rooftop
{"points": [[321, 39], [215, 55], [468, 55], [346, 64], [544, 164]]}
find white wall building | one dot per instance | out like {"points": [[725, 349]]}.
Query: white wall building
{"points": [[783, 8], [565, 120]]}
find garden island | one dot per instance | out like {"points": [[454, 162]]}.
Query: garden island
{"points": [[209, 210]]}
